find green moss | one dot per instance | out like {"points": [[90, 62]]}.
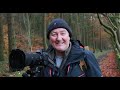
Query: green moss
{"points": [[118, 60], [118, 56]]}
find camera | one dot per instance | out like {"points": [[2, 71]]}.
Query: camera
{"points": [[19, 59]]}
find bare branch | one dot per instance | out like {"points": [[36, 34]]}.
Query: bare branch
{"points": [[107, 31], [107, 27], [111, 22]]}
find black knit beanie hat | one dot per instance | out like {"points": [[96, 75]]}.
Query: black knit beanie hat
{"points": [[59, 23]]}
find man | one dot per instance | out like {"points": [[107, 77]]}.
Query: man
{"points": [[68, 58]]}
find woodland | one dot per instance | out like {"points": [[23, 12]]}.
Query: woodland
{"points": [[27, 31]]}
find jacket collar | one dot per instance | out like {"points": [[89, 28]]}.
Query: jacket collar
{"points": [[73, 54], [76, 53], [51, 53]]}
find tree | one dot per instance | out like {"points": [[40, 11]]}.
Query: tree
{"points": [[44, 32], [1, 40], [27, 23], [11, 33], [111, 24]]}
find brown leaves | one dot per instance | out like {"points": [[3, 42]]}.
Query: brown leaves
{"points": [[109, 66]]}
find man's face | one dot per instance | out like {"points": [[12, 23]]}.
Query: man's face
{"points": [[59, 39]]}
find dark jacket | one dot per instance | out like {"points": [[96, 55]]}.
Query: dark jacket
{"points": [[71, 67]]}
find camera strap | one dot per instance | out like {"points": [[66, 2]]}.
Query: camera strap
{"points": [[51, 61]]}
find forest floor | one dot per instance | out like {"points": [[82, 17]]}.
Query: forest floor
{"points": [[109, 66]]}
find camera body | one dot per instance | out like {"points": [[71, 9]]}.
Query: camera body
{"points": [[36, 60]]}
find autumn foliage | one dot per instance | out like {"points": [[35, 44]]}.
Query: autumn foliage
{"points": [[109, 66]]}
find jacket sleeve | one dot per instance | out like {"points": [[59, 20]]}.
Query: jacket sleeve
{"points": [[93, 69]]}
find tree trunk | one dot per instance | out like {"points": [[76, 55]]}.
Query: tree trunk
{"points": [[100, 41], [1, 40], [44, 33], [11, 34]]}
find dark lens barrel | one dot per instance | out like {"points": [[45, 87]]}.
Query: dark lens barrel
{"points": [[32, 58], [17, 59]]}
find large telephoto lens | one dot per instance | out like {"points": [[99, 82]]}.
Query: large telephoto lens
{"points": [[19, 59]]}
